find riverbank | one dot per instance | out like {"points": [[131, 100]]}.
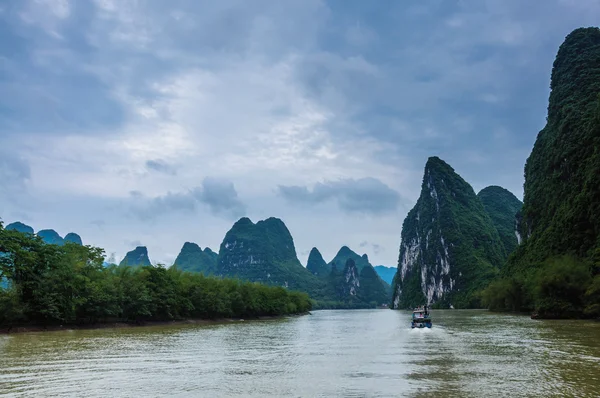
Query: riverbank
{"points": [[121, 324]]}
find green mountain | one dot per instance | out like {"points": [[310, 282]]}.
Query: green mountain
{"points": [[344, 284], [555, 271], [386, 273], [450, 249], [136, 258], [50, 236], [73, 238], [264, 252], [372, 289], [502, 207], [346, 253], [19, 226], [192, 258], [316, 265]]}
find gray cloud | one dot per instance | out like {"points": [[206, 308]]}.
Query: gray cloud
{"points": [[14, 171], [374, 246], [220, 196], [365, 195], [133, 243], [98, 223], [161, 166]]}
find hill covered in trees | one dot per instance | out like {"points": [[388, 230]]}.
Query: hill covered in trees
{"points": [[67, 284], [450, 249], [502, 207], [556, 269]]}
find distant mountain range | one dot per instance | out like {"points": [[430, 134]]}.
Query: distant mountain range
{"points": [[49, 236], [264, 252]]}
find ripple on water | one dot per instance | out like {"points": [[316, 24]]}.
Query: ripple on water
{"points": [[331, 353]]}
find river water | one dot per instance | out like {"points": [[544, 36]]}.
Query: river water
{"points": [[362, 353]]}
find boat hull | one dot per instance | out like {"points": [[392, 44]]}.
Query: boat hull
{"points": [[421, 325]]}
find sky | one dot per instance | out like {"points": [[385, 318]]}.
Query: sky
{"points": [[154, 123]]}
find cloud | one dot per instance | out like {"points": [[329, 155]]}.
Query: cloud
{"points": [[365, 195], [15, 172], [133, 243], [161, 166], [374, 246], [221, 197], [262, 93], [218, 195], [98, 223]]}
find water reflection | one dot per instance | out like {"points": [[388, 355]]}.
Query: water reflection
{"points": [[330, 353]]}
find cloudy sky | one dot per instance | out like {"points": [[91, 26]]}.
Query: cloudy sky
{"points": [[158, 122]]}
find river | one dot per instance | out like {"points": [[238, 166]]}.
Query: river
{"points": [[362, 353]]}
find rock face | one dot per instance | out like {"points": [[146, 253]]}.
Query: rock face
{"points": [[19, 226], [192, 258], [50, 236], [136, 258], [561, 209], [350, 283], [450, 249], [264, 252], [316, 264], [73, 238], [386, 273]]}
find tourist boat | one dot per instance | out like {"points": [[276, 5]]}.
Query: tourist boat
{"points": [[421, 318]]}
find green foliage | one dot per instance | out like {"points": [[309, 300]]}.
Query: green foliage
{"points": [[562, 287], [502, 207], [50, 284], [447, 229], [504, 295], [192, 258], [561, 209]]}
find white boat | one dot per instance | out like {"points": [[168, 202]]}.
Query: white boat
{"points": [[421, 318]]}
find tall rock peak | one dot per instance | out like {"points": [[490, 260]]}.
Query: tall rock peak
{"points": [[316, 264], [192, 258], [561, 211], [449, 246]]}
